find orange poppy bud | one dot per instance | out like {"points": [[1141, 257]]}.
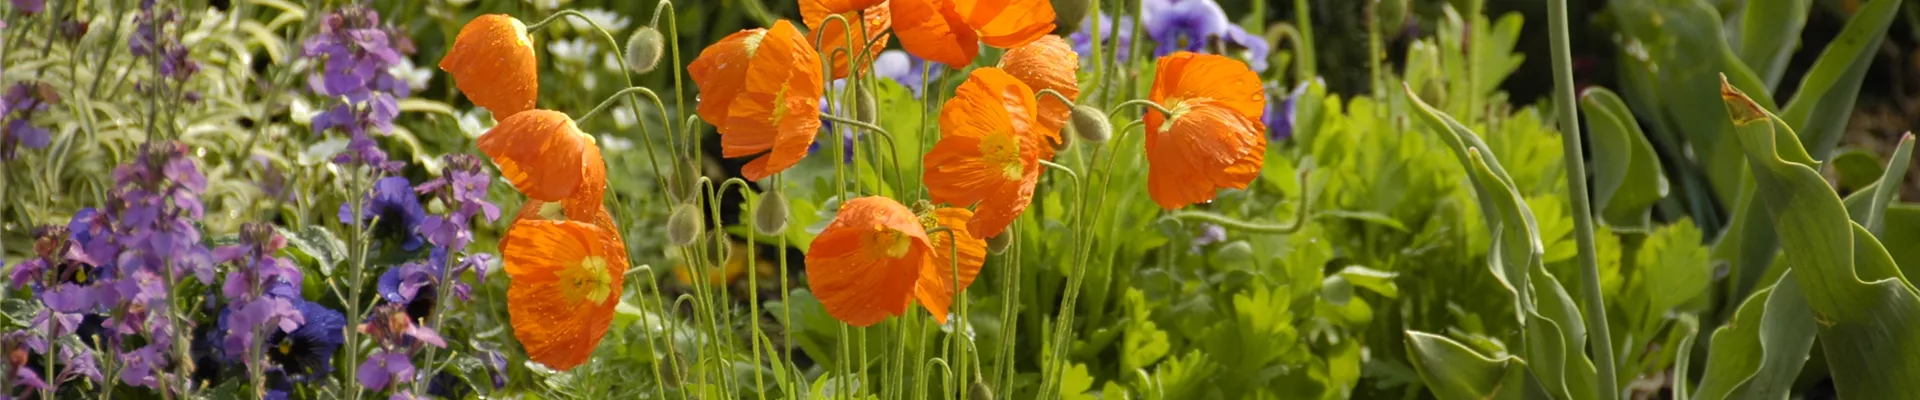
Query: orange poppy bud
{"points": [[949, 31], [566, 281], [545, 156], [864, 267], [492, 62], [1048, 63], [988, 154], [832, 37], [954, 248], [1213, 139], [760, 88]]}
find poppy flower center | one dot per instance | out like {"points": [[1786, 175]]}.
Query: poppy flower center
{"points": [[1000, 150], [1179, 107], [586, 280], [889, 242], [553, 211], [520, 34]]}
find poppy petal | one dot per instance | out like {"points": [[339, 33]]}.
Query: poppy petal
{"points": [[1007, 24], [833, 36], [1207, 147], [935, 31], [1185, 75], [935, 288], [492, 61], [987, 154], [1048, 63], [721, 72], [864, 265], [566, 281], [544, 155], [778, 110]]}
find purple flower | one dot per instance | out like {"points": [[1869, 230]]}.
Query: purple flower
{"points": [[1256, 47], [463, 184], [395, 210], [1209, 234], [906, 70], [17, 108], [1182, 24], [356, 55], [413, 285], [306, 354], [140, 365], [30, 6], [1109, 31], [1280, 114], [159, 198], [383, 367]]}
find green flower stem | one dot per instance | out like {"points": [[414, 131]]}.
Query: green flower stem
{"points": [[1056, 94], [626, 72], [1115, 111], [1306, 56], [1063, 326], [1600, 338], [883, 135]]}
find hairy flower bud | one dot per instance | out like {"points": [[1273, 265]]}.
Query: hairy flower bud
{"points": [[980, 391], [1070, 13], [1091, 124], [865, 107], [644, 49], [999, 243], [770, 215], [685, 225]]}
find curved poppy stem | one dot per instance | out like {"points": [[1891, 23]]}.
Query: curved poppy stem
{"points": [[1299, 215], [882, 133], [619, 53], [1056, 94], [1063, 168], [666, 8], [604, 104], [1063, 326], [1138, 102]]}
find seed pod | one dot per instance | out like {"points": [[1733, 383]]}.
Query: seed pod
{"points": [[770, 215], [1091, 124], [865, 107], [999, 243], [685, 225], [643, 49], [980, 391]]}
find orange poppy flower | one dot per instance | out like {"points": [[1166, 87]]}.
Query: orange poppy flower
{"points": [[492, 61], [988, 153], [760, 88], [935, 289], [566, 279], [864, 267], [1213, 139], [1048, 63], [833, 36], [949, 31], [545, 156]]}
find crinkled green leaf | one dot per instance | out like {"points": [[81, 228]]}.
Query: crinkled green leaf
{"points": [[1627, 176], [1824, 102], [1454, 371], [1757, 353], [1144, 343], [1674, 266], [1769, 32]]}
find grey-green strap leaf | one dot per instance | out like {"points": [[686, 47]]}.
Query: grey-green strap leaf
{"points": [[1756, 354], [1627, 176], [1453, 371], [1820, 108], [1769, 31]]}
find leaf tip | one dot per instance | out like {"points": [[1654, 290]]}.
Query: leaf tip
{"points": [[1741, 107]]}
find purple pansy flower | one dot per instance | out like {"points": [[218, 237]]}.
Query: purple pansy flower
{"points": [[1209, 234], [384, 367], [1279, 115], [395, 210], [1109, 32], [1182, 24], [306, 354], [1256, 47], [906, 69], [411, 284]]}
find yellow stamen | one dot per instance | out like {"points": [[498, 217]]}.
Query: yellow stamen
{"points": [[999, 149], [586, 281]]}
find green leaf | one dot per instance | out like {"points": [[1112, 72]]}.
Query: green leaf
{"points": [[1857, 169], [326, 250], [1627, 177], [1144, 343], [1372, 279], [1757, 353], [1675, 266], [1884, 190], [1820, 108], [1184, 377], [1075, 383], [1769, 32], [1903, 226], [1867, 311], [1454, 371]]}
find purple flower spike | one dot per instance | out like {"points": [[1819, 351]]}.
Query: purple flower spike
{"points": [[395, 210], [17, 109], [30, 6], [1182, 24]]}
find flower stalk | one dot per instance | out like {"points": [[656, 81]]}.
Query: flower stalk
{"points": [[1600, 339]]}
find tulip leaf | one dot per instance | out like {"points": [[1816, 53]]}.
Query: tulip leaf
{"points": [[1821, 107], [1454, 371], [1757, 353], [1627, 177], [1857, 169], [1866, 310], [1769, 32]]}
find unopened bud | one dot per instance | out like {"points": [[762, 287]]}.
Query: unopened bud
{"points": [[1091, 124], [999, 243], [1070, 13], [643, 49], [685, 225], [770, 216], [865, 107]]}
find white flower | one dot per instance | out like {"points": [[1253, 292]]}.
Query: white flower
{"points": [[623, 117], [611, 21], [476, 122], [573, 50], [415, 76], [615, 144]]}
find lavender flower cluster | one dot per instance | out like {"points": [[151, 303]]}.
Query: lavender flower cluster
{"points": [[17, 108], [357, 56]]}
